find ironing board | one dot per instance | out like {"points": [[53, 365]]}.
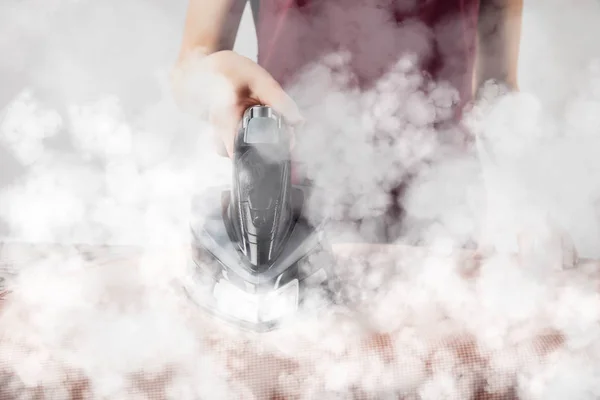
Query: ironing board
{"points": [[88, 322]]}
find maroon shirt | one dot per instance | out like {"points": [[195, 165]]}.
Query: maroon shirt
{"points": [[294, 33]]}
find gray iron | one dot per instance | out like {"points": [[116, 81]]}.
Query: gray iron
{"points": [[256, 260]]}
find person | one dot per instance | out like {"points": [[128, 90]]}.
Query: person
{"points": [[464, 43]]}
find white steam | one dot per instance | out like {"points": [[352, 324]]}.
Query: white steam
{"points": [[102, 160]]}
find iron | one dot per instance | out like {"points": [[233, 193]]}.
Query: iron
{"points": [[256, 260]]}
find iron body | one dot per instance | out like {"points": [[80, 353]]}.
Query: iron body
{"points": [[256, 260]]}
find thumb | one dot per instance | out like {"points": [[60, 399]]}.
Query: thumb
{"points": [[269, 92]]}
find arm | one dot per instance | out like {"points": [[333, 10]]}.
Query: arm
{"points": [[210, 26], [499, 37], [212, 82]]}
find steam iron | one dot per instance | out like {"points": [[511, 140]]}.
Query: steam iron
{"points": [[256, 261]]}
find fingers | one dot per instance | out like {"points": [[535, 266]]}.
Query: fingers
{"points": [[225, 122], [247, 84], [268, 91], [256, 84]]}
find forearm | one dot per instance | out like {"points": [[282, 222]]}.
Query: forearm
{"points": [[210, 26], [499, 37]]}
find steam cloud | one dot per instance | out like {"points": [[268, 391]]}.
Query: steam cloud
{"points": [[101, 157]]}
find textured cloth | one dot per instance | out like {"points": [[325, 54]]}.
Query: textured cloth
{"points": [[107, 323]]}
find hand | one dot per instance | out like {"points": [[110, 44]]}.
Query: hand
{"points": [[231, 84]]}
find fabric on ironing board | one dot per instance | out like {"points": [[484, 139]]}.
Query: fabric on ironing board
{"points": [[130, 337]]}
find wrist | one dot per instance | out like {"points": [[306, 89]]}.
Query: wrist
{"points": [[188, 82]]}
